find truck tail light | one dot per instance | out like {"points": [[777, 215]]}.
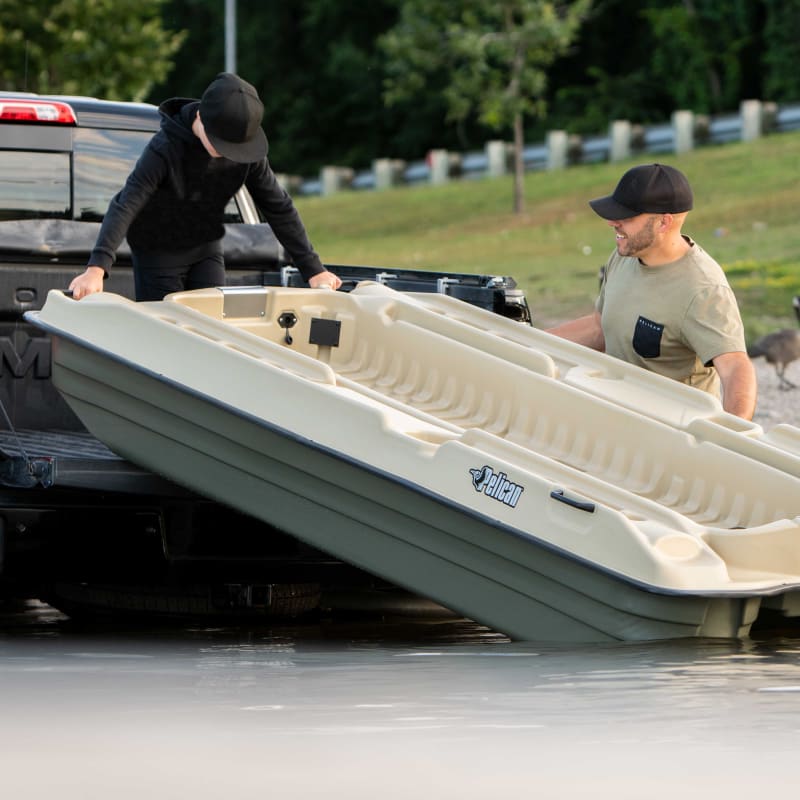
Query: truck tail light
{"points": [[36, 111]]}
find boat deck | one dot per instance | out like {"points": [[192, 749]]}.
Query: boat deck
{"points": [[519, 393]]}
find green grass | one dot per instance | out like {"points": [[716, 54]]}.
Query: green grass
{"points": [[747, 197]]}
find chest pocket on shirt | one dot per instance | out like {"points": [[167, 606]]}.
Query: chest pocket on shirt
{"points": [[647, 338]]}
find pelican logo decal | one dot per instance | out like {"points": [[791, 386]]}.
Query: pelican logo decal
{"points": [[496, 485]]}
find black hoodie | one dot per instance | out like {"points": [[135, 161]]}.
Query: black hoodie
{"points": [[175, 199]]}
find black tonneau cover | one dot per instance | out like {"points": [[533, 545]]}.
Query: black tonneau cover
{"points": [[54, 240]]}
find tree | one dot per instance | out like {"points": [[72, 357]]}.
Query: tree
{"points": [[494, 52], [115, 49]]}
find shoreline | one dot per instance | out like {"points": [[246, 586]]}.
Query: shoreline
{"points": [[775, 406]]}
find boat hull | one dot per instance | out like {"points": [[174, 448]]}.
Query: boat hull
{"points": [[396, 529]]}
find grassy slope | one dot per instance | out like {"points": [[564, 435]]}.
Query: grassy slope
{"points": [[746, 216]]}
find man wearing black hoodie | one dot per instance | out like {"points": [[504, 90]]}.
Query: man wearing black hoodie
{"points": [[172, 205]]}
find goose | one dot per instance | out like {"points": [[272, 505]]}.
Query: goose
{"points": [[780, 348]]}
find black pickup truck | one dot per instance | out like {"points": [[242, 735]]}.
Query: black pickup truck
{"points": [[79, 527]]}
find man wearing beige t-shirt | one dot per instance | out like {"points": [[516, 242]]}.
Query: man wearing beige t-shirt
{"points": [[665, 304]]}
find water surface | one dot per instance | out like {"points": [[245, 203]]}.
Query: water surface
{"points": [[426, 708]]}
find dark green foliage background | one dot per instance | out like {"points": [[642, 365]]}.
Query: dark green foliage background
{"points": [[320, 69]]}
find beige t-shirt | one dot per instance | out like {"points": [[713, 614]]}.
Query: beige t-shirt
{"points": [[673, 319]]}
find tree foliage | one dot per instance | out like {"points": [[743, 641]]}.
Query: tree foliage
{"points": [[495, 53], [317, 69], [641, 61], [782, 55], [321, 67], [321, 70], [116, 49]]}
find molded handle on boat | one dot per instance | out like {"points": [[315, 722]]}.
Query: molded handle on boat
{"points": [[558, 494]]}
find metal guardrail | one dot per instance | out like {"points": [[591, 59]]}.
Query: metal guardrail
{"points": [[654, 139]]}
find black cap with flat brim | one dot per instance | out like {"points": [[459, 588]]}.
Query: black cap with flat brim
{"points": [[646, 189], [231, 112]]}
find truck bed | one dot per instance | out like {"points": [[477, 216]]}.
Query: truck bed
{"points": [[73, 459]]}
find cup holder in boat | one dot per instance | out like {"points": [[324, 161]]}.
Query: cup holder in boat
{"points": [[288, 319]]}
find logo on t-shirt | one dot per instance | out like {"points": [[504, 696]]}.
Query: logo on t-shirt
{"points": [[647, 338]]}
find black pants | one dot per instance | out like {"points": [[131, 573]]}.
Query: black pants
{"points": [[158, 274]]}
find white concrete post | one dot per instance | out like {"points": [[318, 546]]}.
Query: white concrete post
{"points": [[496, 158], [557, 146], [329, 180], [334, 179], [683, 131], [290, 183], [439, 161], [383, 170], [620, 135], [751, 112]]}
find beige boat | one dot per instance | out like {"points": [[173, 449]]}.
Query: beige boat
{"points": [[548, 491]]}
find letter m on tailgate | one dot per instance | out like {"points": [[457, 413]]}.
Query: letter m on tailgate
{"points": [[36, 355]]}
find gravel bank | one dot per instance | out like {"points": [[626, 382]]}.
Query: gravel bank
{"points": [[775, 406]]}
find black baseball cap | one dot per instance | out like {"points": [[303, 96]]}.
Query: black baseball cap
{"points": [[231, 112], [646, 189]]}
